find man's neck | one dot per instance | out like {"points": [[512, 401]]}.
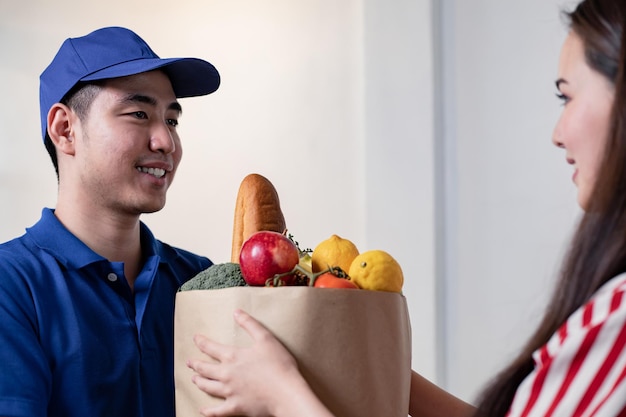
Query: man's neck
{"points": [[113, 236]]}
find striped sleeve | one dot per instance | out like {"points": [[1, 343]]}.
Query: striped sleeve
{"points": [[581, 371]]}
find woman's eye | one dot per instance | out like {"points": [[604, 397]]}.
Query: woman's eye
{"points": [[172, 122], [565, 99], [140, 115]]}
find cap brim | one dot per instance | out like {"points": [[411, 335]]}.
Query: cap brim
{"points": [[190, 77]]}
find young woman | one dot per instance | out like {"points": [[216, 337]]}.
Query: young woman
{"points": [[575, 363]]}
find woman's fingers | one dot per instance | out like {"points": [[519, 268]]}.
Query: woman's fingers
{"points": [[206, 369], [210, 386], [260, 334], [211, 348], [219, 351], [243, 375], [223, 410], [251, 325]]}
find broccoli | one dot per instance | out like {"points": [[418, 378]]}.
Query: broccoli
{"points": [[216, 276]]}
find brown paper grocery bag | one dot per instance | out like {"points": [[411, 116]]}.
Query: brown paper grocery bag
{"points": [[352, 346]]}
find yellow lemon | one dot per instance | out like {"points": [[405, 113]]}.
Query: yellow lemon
{"points": [[334, 251], [376, 270]]}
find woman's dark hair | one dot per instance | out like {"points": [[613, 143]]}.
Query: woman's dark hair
{"points": [[597, 252], [79, 99]]}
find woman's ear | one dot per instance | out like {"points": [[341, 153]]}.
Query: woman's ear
{"points": [[61, 121]]}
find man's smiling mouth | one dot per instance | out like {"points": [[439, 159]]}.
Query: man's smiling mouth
{"points": [[157, 172]]}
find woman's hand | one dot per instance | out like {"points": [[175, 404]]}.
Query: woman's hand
{"points": [[257, 381]]}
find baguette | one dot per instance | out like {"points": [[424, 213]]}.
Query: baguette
{"points": [[257, 208]]}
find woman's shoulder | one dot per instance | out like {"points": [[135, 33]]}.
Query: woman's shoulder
{"points": [[595, 323], [614, 285], [608, 301], [582, 368], [607, 306]]}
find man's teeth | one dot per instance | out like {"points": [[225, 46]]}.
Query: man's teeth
{"points": [[157, 172]]}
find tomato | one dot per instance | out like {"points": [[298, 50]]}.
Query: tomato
{"points": [[328, 280]]}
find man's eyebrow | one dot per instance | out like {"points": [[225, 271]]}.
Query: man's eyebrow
{"points": [[141, 98], [175, 105], [559, 82]]}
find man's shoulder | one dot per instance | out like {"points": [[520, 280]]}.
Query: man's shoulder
{"points": [[24, 250], [182, 263], [16, 251], [20, 267], [178, 256]]}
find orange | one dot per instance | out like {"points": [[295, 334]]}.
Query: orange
{"points": [[332, 252]]}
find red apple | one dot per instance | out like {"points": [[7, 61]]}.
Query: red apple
{"points": [[266, 254]]}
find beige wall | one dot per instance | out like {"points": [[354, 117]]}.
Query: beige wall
{"points": [[329, 99], [446, 164]]}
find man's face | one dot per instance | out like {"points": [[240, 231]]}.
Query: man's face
{"points": [[127, 147]]}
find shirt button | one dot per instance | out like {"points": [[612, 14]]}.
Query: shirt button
{"points": [[112, 277]]}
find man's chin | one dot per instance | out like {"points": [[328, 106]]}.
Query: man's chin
{"points": [[150, 208], [153, 209]]}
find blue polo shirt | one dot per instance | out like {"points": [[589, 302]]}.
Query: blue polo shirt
{"points": [[74, 339]]}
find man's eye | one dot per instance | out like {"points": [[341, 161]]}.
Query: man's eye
{"points": [[140, 115], [172, 122]]}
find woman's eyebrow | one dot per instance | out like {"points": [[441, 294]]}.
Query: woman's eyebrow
{"points": [[559, 82]]}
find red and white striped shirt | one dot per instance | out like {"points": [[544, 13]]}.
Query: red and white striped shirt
{"points": [[581, 371]]}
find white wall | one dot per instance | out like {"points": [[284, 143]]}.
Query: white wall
{"points": [[399, 149], [510, 201], [416, 126], [326, 107]]}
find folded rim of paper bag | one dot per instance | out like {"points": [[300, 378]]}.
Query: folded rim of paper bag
{"points": [[352, 346]]}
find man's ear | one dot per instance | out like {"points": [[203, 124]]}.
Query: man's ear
{"points": [[61, 127]]}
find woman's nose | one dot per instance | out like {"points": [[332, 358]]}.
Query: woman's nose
{"points": [[557, 138]]}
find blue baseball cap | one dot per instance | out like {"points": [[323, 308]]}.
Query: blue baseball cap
{"points": [[117, 52]]}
